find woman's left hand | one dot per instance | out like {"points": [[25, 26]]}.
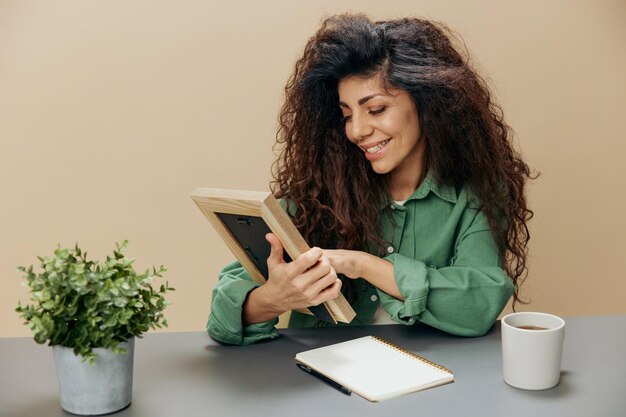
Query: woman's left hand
{"points": [[357, 264], [346, 262]]}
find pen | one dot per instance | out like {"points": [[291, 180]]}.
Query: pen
{"points": [[324, 378]]}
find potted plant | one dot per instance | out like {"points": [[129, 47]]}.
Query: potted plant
{"points": [[90, 313]]}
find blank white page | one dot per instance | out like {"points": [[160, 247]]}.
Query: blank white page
{"points": [[374, 369]]}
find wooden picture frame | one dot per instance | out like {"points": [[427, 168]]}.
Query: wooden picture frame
{"points": [[242, 218]]}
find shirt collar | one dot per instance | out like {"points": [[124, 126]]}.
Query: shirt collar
{"points": [[445, 192]]}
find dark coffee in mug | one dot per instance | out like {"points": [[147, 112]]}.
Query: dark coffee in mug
{"points": [[531, 327]]}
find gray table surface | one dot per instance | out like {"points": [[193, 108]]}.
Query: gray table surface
{"points": [[188, 374]]}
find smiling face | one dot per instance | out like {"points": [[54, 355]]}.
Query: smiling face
{"points": [[384, 124]]}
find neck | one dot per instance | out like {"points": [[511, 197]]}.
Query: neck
{"points": [[401, 187], [404, 180]]}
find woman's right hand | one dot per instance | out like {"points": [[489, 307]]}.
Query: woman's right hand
{"points": [[306, 281]]}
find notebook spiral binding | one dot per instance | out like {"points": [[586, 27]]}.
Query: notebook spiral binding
{"points": [[413, 355]]}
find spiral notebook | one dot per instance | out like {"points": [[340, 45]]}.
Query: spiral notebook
{"points": [[373, 368]]}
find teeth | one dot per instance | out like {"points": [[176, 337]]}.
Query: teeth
{"points": [[378, 147]]}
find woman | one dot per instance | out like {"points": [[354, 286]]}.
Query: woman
{"points": [[396, 162]]}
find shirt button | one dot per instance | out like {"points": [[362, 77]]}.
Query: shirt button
{"points": [[390, 249], [374, 297]]}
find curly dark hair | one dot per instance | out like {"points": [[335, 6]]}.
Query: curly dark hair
{"points": [[337, 195]]}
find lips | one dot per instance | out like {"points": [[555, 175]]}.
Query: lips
{"points": [[376, 150], [374, 147]]}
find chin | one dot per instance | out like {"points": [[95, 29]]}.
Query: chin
{"points": [[380, 169]]}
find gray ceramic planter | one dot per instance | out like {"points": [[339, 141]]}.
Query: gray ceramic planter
{"points": [[102, 388]]}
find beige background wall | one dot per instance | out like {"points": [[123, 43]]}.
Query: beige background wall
{"points": [[111, 112]]}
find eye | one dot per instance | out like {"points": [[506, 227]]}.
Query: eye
{"points": [[378, 110], [346, 119]]}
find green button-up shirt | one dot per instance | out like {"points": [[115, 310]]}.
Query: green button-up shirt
{"points": [[446, 265]]}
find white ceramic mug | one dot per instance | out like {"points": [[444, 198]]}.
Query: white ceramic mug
{"points": [[531, 357]]}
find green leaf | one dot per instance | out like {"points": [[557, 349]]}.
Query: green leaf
{"points": [[50, 304], [112, 321], [43, 295], [84, 304], [120, 302]]}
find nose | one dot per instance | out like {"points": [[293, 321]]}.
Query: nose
{"points": [[360, 128]]}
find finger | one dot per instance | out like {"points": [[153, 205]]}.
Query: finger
{"points": [[306, 260], [313, 274], [330, 253], [276, 253], [323, 282], [329, 293]]}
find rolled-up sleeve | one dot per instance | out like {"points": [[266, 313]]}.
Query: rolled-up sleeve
{"points": [[225, 321], [464, 298]]}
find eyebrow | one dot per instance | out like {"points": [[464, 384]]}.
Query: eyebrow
{"points": [[361, 100]]}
